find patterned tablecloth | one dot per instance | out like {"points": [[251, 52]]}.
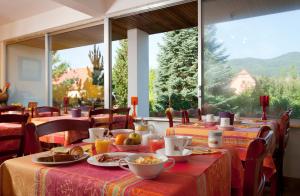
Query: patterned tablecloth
{"points": [[9, 129], [241, 136], [201, 175], [67, 137]]}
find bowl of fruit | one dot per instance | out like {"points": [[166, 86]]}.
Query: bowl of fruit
{"points": [[131, 142]]}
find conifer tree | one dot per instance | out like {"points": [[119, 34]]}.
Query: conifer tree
{"points": [[120, 75]]}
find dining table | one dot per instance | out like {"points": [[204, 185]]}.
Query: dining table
{"points": [[239, 138], [202, 174], [66, 138]]}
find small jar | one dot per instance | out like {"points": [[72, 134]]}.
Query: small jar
{"points": [[215, 139]]}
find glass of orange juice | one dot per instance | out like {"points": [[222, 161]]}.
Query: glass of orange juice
{"points": [[102, 145]]}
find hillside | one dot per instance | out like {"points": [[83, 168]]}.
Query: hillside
{"points": [[267, 67]]}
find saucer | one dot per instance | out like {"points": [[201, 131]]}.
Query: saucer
{"points": [[226, 128], [88, 140], [178, 158]]}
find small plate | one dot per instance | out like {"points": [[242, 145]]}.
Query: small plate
{"points": [[93, 161], [35, 159], [88, 140], [227, 128], [178, 158]]}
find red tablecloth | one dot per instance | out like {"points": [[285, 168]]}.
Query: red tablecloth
{"points": [[10, 129], [202, 175]]}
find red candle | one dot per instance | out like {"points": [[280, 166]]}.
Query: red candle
{"points": [[134, 100]]}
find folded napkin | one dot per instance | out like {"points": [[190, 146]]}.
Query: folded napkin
{"points": [[200, 150]]}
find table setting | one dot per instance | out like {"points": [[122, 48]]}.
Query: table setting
{"points": [[106, 169]]}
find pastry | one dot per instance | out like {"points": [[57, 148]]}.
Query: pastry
{"points": [[76, 151]]}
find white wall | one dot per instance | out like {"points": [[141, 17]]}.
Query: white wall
{"points": [[23, 60]]}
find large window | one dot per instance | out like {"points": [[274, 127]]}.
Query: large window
{"points": [[246, 58], [26, 72], [77, 67]]}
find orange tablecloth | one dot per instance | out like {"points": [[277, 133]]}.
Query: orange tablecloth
{"points": [[201, 175], [239, 138], [67, 137]]}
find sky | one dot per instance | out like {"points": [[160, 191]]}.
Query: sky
{"points": [[258, 37]]}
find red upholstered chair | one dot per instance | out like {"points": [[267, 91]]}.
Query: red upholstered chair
{"points": [[100, 123], [18, 151], [54, 127], [283, 136], [254, 178], [46, 111], [120, 118], [12, 108], [172, 113]]}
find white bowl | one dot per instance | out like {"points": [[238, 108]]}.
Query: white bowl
{"points": [[186, 153], [115, 132], [146, 171]]}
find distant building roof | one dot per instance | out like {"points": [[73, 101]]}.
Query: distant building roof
{"points": [[80, 74], [242, 82]]}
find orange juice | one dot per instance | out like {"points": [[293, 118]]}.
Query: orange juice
{"points": [[102, 145]]}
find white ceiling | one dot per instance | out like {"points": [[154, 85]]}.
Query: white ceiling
{"points": [[12, 10]]}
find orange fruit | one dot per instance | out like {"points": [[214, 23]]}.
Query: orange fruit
{"points": [[120, 139]]}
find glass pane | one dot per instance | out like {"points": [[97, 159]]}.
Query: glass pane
{"points": [[77, 67], [26, 72], [247, 58]]}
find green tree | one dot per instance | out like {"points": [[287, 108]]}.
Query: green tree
{"points": [[176, 84], [59, 67], [120, 75], [152, 95], [96, 59]]}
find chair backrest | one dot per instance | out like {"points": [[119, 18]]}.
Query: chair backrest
{"points": [[195, 113], [123, 120], [12, 108], [19, 119], [58, 126], [32, 105], [283, 130], [98, 111], [172, 113], [46, 109], [254, 179]]}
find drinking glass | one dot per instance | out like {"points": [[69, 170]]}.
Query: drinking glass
{"points": [[102, 145]]}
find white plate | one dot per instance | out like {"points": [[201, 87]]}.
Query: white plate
{"points": [[178, 158], [35, 157], [93, 161], [88, 140]]}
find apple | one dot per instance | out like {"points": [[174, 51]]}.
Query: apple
{"points": [[137, 138]]}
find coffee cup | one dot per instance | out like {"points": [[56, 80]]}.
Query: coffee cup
{"points": [[174, 145], [209, 118], [237, 116], [96, 133], [225, 122]]}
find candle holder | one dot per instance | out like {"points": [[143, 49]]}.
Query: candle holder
{"points": [[264, 102], [66, 103], [134, 103]]}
